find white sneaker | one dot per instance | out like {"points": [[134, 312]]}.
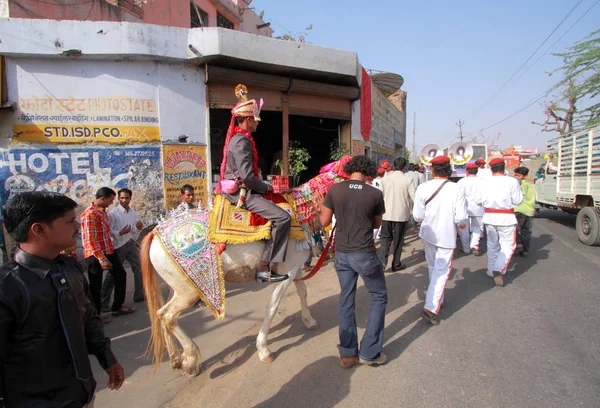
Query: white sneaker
{"points": [[378, 361], [490, 274]]}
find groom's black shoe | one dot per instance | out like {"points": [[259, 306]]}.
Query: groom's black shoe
{"points": [[268, 276]]}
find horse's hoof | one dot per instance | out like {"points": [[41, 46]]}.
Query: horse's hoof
{"points": [[190, 371], [176, 363], [311, 324], [268, 358]]}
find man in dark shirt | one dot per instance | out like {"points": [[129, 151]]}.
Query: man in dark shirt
{"points": [[358, 209], [48, 325]]}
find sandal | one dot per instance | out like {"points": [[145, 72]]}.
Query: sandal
{"points": [[123, 311]]}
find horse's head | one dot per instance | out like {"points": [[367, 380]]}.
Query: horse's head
{"points": [[307, 209]]}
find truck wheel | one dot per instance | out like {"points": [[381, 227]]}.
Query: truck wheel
{"points": [[588, 226]]}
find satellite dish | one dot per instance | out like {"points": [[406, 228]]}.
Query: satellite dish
{"points": [[262, 14], [248, 2], [387, 82]]}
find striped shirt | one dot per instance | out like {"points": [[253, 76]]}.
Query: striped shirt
{"points": [[95, 233]]}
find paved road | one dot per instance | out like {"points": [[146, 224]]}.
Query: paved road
{"points": [[532, 343]]}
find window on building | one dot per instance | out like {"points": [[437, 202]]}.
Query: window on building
{"points": [[198, 17], [223, 22]]}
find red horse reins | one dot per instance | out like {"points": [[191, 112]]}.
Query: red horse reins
{"points": [[321, 260]]}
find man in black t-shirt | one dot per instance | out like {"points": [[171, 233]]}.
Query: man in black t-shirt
{"points": [[358, 208]]}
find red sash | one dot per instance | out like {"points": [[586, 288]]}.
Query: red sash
{"points": [[499, 211]]}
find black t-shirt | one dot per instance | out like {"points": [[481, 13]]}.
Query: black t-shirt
{"points": [[354, 204]]}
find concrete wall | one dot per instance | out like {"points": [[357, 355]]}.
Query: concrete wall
{"points": [[104, 40], [148, 102]]}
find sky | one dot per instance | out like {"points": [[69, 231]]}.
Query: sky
{"points": [[453, 55]]}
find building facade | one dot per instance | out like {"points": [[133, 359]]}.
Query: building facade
{"points": [[230, 14]]}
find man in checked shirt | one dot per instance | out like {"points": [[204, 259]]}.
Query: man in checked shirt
{"points": [[99, 252]]}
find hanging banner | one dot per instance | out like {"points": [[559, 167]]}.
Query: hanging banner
{"points": [[184, 164], [365, 106]]}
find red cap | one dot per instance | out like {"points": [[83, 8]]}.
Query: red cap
{"points": [[472, 165], [497, 160], [440, 160], [480, 161], [380, 172], [385, 164]]}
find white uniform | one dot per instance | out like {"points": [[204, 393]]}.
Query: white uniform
{"points": [[377, 185], [470, 236], [499, 195], [484, 173], [438, 232]]}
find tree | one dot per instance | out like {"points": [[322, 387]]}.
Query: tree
{"points": [[301, 37], [298, 157], [338, 150], [579, 85]]}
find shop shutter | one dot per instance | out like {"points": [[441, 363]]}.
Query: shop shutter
{"points": [[320, 106], [222, 96]]}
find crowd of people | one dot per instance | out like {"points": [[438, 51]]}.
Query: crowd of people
{"points": [[385, 201], [379, 203]]}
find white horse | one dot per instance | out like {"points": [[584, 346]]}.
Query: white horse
{"points": [[240, 264]]}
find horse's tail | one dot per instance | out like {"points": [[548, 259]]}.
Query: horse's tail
{"points": [[155, 301]]}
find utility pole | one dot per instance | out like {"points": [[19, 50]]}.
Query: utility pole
{"points": [[414, 145], [460, 123]]}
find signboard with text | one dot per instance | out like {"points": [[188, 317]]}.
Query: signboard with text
{"points": [[184, 164], [79, 171]]}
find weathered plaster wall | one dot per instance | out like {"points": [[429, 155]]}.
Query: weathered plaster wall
{"points": [[148, 102]]}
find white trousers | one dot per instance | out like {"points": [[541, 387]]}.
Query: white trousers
{"points": [[439, 263], [501, 243], [470, 236]]}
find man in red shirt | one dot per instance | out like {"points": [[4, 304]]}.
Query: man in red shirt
{"points": [[98, 251]]}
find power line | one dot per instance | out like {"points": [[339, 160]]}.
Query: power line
{"points": [[506, 84], [545, 94], [555, 42]]}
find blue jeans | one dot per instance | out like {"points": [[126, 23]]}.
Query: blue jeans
{"points": [[349, 265]]}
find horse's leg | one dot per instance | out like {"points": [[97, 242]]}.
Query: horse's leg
{"points": [[309, 322], [264, 354], [191, 358], [170, 341]]}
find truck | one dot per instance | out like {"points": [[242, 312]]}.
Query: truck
{"points": [[575, 187]]}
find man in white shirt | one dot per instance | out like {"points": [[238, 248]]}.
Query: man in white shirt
{"points": [[413, 175], [124, 227], [187, 199], [398, 193], [499, 195], [470, 236], [483, 172], [440, 206]]}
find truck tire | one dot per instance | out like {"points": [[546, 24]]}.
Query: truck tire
{"points": [[588, 226]]}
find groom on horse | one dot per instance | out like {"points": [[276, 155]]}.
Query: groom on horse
{"points": [[241, 184]]}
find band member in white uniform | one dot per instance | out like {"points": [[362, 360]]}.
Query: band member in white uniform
{"points": [[440, 206], [470, 236], [499, 195], [483, 171]]}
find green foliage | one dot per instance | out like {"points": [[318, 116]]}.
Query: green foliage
{"points": [[338, 150], [580, 80], [298, 157], [300, 37]]}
